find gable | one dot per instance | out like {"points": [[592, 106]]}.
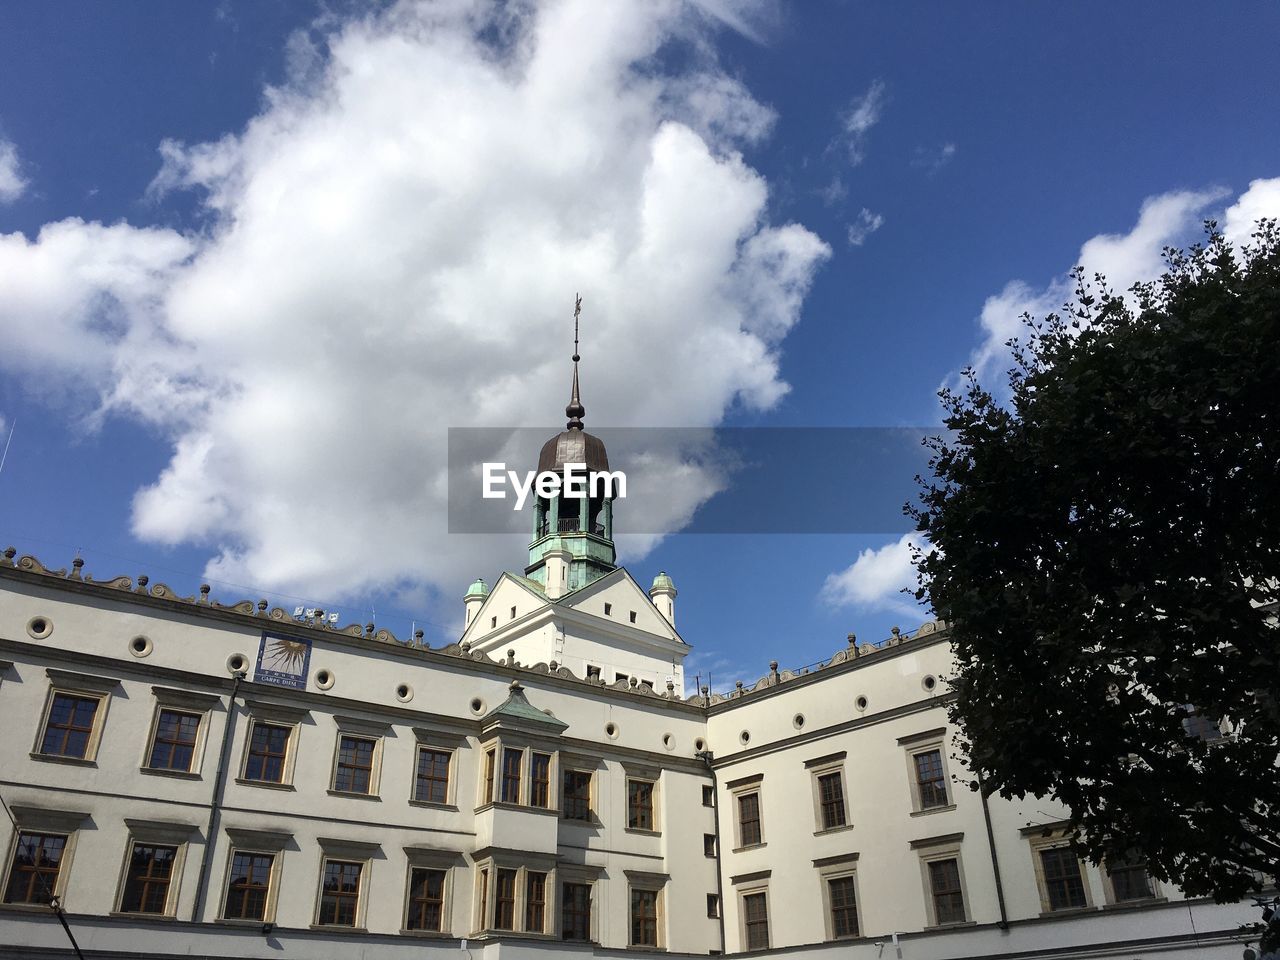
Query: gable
{"points": [[508, 593], [619, 593]]}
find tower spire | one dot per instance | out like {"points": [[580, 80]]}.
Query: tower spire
{"points": [[575, 410]]}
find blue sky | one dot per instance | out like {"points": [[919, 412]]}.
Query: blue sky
{"points": [[256, 255]]}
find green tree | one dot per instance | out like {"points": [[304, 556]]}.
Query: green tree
{"points": [[1106, 545]]}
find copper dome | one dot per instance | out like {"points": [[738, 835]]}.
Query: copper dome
{"points": [[573, 446]]}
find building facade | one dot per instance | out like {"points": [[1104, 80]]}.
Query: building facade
{"points": [[192, 778]]}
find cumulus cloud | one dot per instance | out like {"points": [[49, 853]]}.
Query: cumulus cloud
{"points": [[1260, 201], [12, 183], [864, 226], [876, 580], [1124, 259], [391, 247], [862, 115]]}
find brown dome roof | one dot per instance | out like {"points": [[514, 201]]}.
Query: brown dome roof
{"points": [[573, 446]]}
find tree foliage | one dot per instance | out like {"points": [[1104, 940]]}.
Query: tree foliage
{"points": [[1106, 545]]}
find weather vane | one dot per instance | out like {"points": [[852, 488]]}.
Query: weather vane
{"points": [[577, 311]]}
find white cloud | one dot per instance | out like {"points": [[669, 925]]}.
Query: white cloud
{"points": [[931, 161], [1261, 200], [1124, 259], [392, 248], [864, 226], [862, 115], [876, 579], [12, 183]]}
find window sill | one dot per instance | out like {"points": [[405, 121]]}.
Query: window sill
{"points": [[176, 774], [55, 758], [1066, 912], [954, 925], [641, 832], [751, 846], [428, 934], [137, 915], [840, 829], [338, 928], [925, 813], [432, 805], [42, 908], [242, 922], [592, 822], [520, 807], [265, 784], [1132, 904], [353, 795]]}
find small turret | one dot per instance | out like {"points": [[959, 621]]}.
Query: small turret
{"points": [[474, 600], [663, 595]]}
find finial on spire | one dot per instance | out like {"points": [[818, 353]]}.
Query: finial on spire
{"points": [[575, 410]]}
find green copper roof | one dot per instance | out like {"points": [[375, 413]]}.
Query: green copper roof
{"points": [[478, 589], [662, 582], [518, 708]]}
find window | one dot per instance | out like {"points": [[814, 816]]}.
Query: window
{"points": [[431, 784], [575, 911], [490, 759], [842, 898], [1129, 881], [513, 613], [831, 800], [593, 673], [426, 900], [713, 906], [511, 775], [647, 683], [540, 780], [353, 769], [708, 795], [644, 918], [173, 745], [535, 909], [577, 795], [709, 844], [33, 874], [620, 678], [147, 877], [504, 901], [946, 891], [248, 886], [608, 609], [482, 900], [749, 820], [1063, 884], [340, 893], [633, 616], [931, 781], [755, 920], [493, 622], [268, 752], [639, 805], [69, 726]]}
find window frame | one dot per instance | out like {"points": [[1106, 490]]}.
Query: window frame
{"points": [[39, 821], [572, 878], [840, 867], [431, 858], [359, 729], [820, 768], [81, 686], [739, 790], [154, 834], [277, 716], [438, 743], [931, 850], [744, 924], [489, 864], [1053, 837], [347, 852], [649, 807], [1109, 886], [199, 705], [253, 843], [919, 744]]}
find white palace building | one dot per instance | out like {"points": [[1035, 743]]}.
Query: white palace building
{"points": [[188, 778]]}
